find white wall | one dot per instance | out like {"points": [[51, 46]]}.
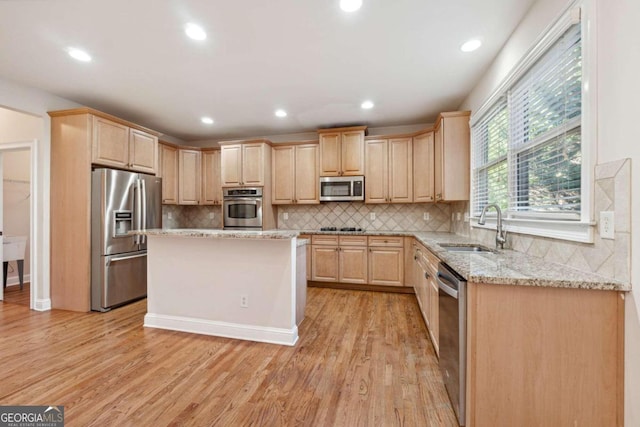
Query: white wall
{"points": [[37, 103], [618, 59]]}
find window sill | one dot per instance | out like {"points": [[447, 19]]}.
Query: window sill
{"points": [[574, 231]]}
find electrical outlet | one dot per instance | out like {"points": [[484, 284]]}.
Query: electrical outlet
{"points": [[285, 215], [212, 215], [426, 216], [372, 216], [244, 301], [458, 216], [607, 225], [466, 217], [169, 215]]}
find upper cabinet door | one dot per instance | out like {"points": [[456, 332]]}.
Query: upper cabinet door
{"points": [[423, 163], [307, 176], [452, 154], [169, 173], [190, 181], [352, 153], [143, 151], [211, 185], [376, 177], [231, 165], [330, 144], [283, 175], [253, 158], [110, 145], [401, 170]]}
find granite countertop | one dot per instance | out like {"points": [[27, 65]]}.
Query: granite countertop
{"points": [[219, 234], [505, 267]]}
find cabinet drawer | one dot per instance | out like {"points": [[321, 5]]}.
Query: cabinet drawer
{"points": [[396, 241], [353, 240], [321, 239]]}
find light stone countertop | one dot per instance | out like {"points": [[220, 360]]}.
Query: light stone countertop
{"points": [[506, 267], [218, 234]]}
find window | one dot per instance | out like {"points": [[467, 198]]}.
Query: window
{"points": [[527, 143]]}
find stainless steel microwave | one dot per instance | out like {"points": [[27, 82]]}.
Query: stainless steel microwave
{"points": [[341, 188]]}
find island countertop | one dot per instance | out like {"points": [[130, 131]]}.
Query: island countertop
{"points": [[218, 234]]}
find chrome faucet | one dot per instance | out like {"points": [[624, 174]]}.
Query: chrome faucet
{"points": [[501, 235]]}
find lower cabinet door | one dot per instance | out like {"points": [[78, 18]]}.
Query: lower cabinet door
{"points": [[386, 266], [353, 264], [434, 315], [324, 265]]}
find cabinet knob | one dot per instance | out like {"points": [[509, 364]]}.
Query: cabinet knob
{"points": [[426, 275]]}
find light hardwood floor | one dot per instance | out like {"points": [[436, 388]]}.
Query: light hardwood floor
{"points": [[14, 295], [363, 359]]}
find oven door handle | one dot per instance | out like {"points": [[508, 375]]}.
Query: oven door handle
{"points": [[445, 287], [244, 199]]}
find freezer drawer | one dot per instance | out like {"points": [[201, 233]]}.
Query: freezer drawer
{"points": [[124, 278]]}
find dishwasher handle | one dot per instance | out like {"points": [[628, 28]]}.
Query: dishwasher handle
{"points": [[446, 287]]}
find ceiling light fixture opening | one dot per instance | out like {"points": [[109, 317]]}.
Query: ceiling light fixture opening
{"points": [[79, 54], [350, 5], [195, 31], [207, 120], [367, 105], [471, 45], [281, 113]]}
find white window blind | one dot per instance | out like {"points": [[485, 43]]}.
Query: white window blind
{"points": [[526, 154]]}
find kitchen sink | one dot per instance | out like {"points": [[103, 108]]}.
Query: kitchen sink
{"points": [[461, 247]]}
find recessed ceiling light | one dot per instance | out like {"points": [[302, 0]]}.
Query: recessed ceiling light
{"points": [[350, 5], [79, 54], [471, 45], [281, 113], [367, 105], [195, 31], [207, 120]]}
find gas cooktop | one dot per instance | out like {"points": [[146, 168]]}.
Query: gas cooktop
{"points": [[356, 229]]}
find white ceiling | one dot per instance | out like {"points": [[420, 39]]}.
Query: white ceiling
{"points": [[305, 56]]}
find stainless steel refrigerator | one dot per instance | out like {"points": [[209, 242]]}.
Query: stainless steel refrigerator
{"points": [[120, 202]]}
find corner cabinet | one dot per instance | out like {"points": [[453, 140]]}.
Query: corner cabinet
{"points": [[81, 138], [243, 164], [168, 171], [452, 153], [295, 174], [342, 151], [211, 178], [117, 145], [389, 170], [189, 181]]}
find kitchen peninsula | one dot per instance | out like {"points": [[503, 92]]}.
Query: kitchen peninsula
{"points": [[238, 284]]}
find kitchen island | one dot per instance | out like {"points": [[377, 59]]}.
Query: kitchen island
{"points": [[247, 285]]}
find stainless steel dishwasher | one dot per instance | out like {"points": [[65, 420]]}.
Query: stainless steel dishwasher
{"points": [[452, 308]]}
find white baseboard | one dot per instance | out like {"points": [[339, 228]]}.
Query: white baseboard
{"points": [[223, 329], [42, 304], [15, 280]]}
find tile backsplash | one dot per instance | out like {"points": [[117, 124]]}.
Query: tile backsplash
{"points": [[610, 258], [176, 216], [392, 217]]}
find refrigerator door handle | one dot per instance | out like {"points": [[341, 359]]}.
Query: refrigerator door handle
{"points": [[138, 201], [143, 196]]}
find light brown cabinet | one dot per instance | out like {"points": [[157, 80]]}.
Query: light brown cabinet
{"points": [[452, 153], [386, 261], [423, 164], [117, 145], [79, 138], [342, 151], [389, 170], [243, 164], [339, 259], [308, 248], [211, 178], [189, 181], [168, 171], [425, 270], [295, 174]]}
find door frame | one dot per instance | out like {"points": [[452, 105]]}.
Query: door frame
{"points": [[35, 302]]}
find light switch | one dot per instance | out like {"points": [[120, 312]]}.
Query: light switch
{"points": [[426, 216], [607, 225], [285, 215], [212, 215], [169, 215], [372, 216]]}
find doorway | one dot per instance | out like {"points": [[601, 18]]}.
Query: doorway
{"points": [[15, 222]]}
